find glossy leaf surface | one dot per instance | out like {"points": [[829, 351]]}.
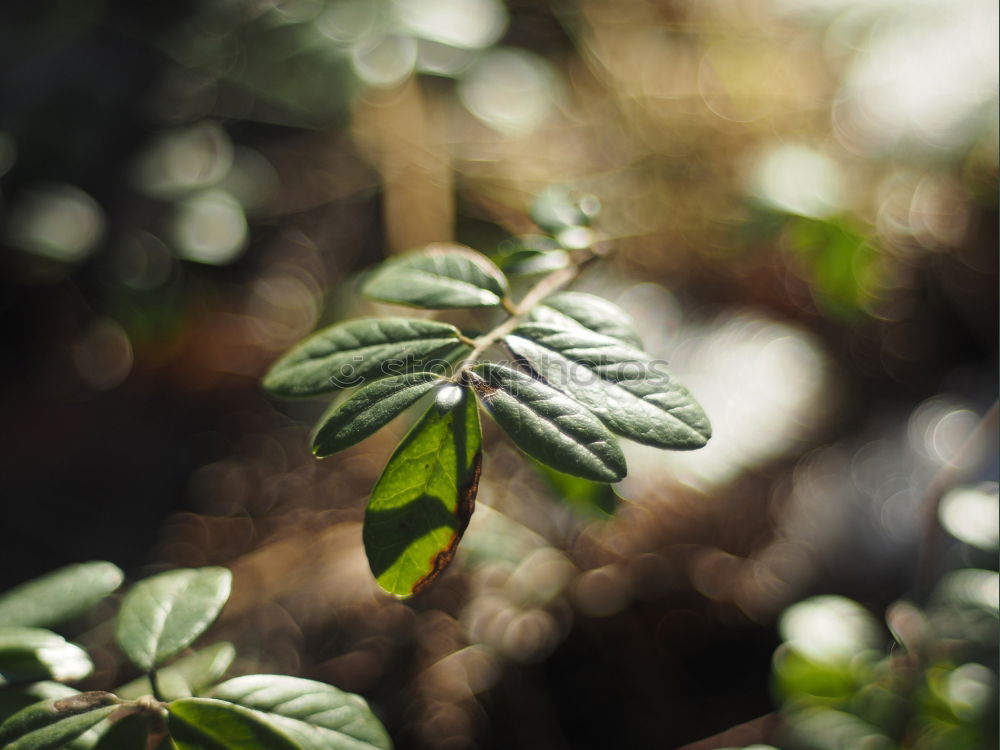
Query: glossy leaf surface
{"points": [[422, 503], [28, 654], [165, 613], [58, 596], [209, 724], [317, 716], [568, 309], [440, 276], [349, 354], [366, 411], [548, 425]]}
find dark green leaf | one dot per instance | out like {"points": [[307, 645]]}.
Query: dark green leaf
{"points": [[165, 613], [438, 277], [209, 724], [622, 386], [548, 425], [53, 723], [28, 654], [128, 733], [13, 699], [348, 354], [186, 676], [317, 716], [594, 313], [58, 596], [372, 407], [423, 501]]}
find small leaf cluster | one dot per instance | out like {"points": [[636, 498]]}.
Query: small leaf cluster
{"points": [[575, 378], [177, 705]]}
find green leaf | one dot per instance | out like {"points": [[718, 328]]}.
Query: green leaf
{"points": [[186, 676], [369, 409], [209, 724], [557, 208], [58, 596], [13, 699], [128, 733], [165, 613], [348, 354], [317, 716], [548, 425], [438, 277], [621, 385], [423, 501], [590, 499], [571, 309], [53, 723], [28, 654]]}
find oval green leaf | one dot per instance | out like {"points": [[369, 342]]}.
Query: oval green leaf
{"points": [[440, 276], [165, 613], [548, 425], [621, 385], [28, 654], [369, 409], [54, 723], [58, 596], [13, 699], [348, 354], [424, 499], [209, 724], [185, 677], [571, 309], [317, 716]]}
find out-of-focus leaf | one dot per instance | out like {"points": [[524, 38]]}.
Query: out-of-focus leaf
{"points": [[591, 312], [317, 716], [210, 724], [28, 654], [366, 411], [128, 733], [619, 384], [165, 613], [527, 262], [556, 208], [548, 425], [591, 499], [438, 277], [13, 699], [186, 676], [54, 723], [58, 596], [348, 354], [422, 503]]}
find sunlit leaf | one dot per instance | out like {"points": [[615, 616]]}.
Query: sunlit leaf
{"points": [[317, 716], [348, 354], [186, 676], [594, 313], [548, 425], [622, 386], [28, 654], [58, 596], [372, 407], [54, 723], [590, 499], [14, 698], [438, 277], [165, 613], [423, 501], [209, 724]]}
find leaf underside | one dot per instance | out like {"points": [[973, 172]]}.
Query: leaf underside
{"points": [[316, 715], [548, 425], [366, 411], [53, 723], [621, 385], [440, 276], [349, 354], [424, 499], [164, 614]]}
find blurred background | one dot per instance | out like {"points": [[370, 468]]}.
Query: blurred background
{"points": [[803, 201]]}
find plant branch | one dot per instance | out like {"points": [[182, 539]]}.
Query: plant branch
{"points": [[549, 284]]}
